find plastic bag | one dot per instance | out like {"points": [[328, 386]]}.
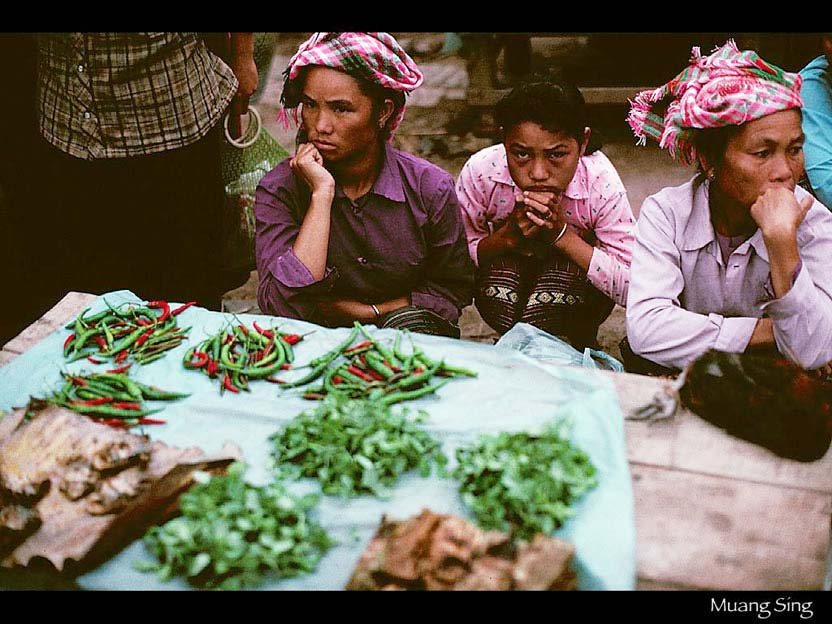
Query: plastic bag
{"points": [[537, 344], [244, 162]]}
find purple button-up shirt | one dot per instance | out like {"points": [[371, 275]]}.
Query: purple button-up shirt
{"points": [[685, 298], [403, 238]]}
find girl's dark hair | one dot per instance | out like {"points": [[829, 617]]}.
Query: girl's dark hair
{"points": [[377, 93], [554, 106]]}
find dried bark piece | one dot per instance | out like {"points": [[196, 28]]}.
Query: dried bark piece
{"points": [[99, 487], [442, 552]]}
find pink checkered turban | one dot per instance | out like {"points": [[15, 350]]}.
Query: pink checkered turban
{"points": [[376, 57], [728, 87]]}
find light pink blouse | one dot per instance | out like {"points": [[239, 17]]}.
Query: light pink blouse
{"points": [[595, 201], [685, 298]]}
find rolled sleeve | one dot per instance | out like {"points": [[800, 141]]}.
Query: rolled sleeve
{"points": [[472, 208], [799, 318], [287, 287], [734, 333], [609, 268]]}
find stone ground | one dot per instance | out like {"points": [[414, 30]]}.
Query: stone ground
{"points": [[434, 128]]}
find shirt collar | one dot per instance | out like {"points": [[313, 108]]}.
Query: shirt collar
{"points": [[699, 230], [389, 181], [578, 188]]}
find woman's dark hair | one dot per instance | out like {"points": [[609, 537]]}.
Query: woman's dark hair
{"points": [[711, 143], [554, 106], [377, 93]]}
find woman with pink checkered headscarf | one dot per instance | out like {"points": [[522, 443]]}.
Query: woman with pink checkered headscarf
{"points": [[351, 228], [735, 259]]}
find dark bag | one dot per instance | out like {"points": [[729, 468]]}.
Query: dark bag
{"points": [[762, 398]]}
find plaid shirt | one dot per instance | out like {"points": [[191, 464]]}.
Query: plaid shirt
{"points": [[113, 95]]}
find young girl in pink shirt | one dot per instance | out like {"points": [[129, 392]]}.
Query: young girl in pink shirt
{"points": [[547, 218]]}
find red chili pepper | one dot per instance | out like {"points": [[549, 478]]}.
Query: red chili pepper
{"points": [[102, 344], [359, 346], [418, 370], [375, 375], [143, 322], [243, 329], [395, 369], [212, 367], [274, 380], [164, 307], [291, 339], [143, 338], [94, 361], [268, 333], [68, 340], [121, 357], [114, 422], [202, 359], [337, 380], [120, 369], [151, 421], [98, 401], [285, 366], [127, 405], [78, 381], [182, 308], [359, 373], [228, 384]]}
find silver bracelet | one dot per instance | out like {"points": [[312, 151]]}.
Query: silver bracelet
{"points": [[560, 236], [375, 310]]}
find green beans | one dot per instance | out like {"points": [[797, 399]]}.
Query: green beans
{"points": [[237, 354], [134, 331], [371, 370], [110, 398]]}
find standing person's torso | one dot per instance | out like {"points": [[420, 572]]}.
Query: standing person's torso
{"points": [[113, 95]]}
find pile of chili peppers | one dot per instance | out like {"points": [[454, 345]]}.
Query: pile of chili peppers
{"points": [[373, 371], [118, 333], [237, 354], [111, 398]]}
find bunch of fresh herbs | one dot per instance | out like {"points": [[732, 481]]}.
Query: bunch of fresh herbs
{"points": [[522, 481], [231, 533], [354, 447]]}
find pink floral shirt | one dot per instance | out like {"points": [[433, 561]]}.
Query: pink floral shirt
{"points": [[595, 201]]}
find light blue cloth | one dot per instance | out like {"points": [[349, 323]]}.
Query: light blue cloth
{"points": [[512, 393], [817, 126]]}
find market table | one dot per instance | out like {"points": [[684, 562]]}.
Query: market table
{"points": [[712, 511]]}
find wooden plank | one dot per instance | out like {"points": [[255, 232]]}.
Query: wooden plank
{"points": [[56, 317], [723, 534], [702, 447], [6, 357], [484, 96], [647, 442]]}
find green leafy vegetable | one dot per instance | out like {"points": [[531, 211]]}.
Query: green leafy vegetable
{"points": [[354, 447], [523, 481], [231, 533]]}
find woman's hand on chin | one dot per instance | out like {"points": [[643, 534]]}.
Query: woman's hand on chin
{"points": [[309, 165]]}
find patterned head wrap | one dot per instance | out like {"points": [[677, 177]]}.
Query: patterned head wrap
{"points": [[727, 88], [376, 57]]}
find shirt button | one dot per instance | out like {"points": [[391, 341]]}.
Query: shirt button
{"points": [[362, 260], [87, 114], [80, 69]]}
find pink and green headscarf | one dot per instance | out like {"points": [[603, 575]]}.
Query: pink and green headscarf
{"points": [[375, 56], [727, 88]]}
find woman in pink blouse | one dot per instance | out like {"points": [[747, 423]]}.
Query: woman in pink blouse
{"points": [[738, 257], [547, 218]]}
